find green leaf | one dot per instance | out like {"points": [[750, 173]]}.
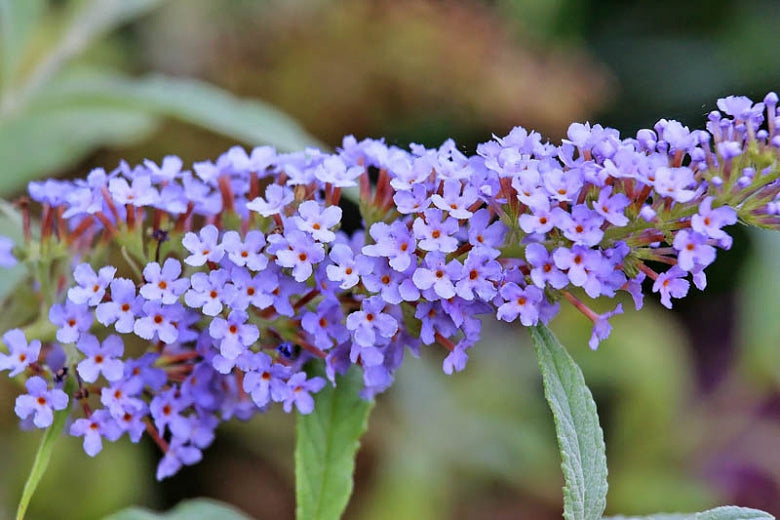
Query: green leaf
{"points": [[42, 457], [188, 100], [719, 513], [759, 297], [733, 513], [17, 21], [580, 439], [41, 142], [326, 445], [195, 509], [662, 516], [86, 22]]}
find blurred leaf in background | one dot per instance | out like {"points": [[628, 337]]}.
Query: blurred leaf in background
{"points": [[53, 113]]}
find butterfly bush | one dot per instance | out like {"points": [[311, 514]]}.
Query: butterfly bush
{"points": [[178, 299]]}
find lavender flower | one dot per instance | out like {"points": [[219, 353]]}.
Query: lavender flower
{"points": [[164, 284], [123, 308], [40, 402], [100, 424], [203, 247], [100, 358], [21, 354], [7, 258], [91, 287]]}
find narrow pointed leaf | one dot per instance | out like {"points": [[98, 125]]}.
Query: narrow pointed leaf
{"points": [[191, 101], [719, 513], [42, 457], [326, 445], [38, 143], [661, 516], [580, 439], [17, 22], [86, 22], [733, 513]]}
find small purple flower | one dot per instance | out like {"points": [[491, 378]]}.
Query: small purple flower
{"points": [[435, 232], [72, 319], [677, 136], [120, 398], [7, 258], [133, 423], [483, 233], [479, 276], [234, 334], [412, 201], [729, 149], [166, 409], [326, 325], [179, 454], [740, 107], [672, 182], [169, 170], [543, 269], [91, 287], [20, 353], [246, 290], [456, 360], [159, 320], [575, 261], [347, 268], [140, 193], [671, 284], [267, 381], [692, 249], [528, 184], [582, 226], [438, 275], [163, 284], [317, 221], [562, 186], [247, 252], [371, 321], [611, 207], [123, 308], [301, 389], [523, 302], [298, 251], [334, 171], [276, 200], [453, 201], [393, 286], [203, 246], [286, 288], [100, 424], [40, 402], [100, 359], [710, 221], [433, 319], [541, 219], [207, 291], [602, 327], [393, 242], [634, 288]]}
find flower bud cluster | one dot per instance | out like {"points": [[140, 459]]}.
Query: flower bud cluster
{"points": [[191, 297]]}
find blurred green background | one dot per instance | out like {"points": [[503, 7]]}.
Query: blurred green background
{"points": [[689, 399]]}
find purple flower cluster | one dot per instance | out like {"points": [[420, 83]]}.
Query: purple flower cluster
{"points": [[234, 275]]}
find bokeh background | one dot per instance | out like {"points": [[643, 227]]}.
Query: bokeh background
{"points": [[688, 398]]}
